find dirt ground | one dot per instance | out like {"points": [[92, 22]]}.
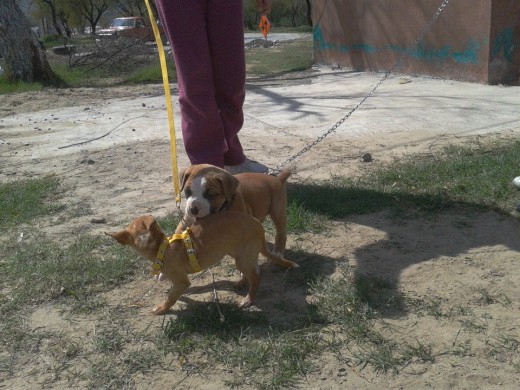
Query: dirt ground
{"points": [[451, 258]]}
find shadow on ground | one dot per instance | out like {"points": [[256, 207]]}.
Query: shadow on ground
{"points": [[407, 234]]}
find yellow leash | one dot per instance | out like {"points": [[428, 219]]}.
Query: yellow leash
{"points": [[169, 108]]}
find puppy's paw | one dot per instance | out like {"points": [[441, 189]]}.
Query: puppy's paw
{"points": [[161, 309], [241, 283], [246, 302]]}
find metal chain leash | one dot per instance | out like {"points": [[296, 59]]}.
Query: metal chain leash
{"points": [[396, 66]]}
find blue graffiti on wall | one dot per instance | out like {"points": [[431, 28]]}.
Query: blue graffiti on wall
{"points": [[504, 41], [467, 56]]}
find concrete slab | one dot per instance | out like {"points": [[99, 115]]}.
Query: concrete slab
{"points": [[304, 105]]}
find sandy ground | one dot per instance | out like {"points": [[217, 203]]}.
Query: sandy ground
{"points": [[110, 148]]}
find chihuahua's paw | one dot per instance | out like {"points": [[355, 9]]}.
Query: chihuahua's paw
{"points": [[160, 277], [161, 309]]}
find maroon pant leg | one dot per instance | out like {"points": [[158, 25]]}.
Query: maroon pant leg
{"points": [[229, 70], [208, 46]]}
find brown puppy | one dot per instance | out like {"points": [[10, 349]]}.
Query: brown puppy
{"points": [[209, 189], [228, 233]]}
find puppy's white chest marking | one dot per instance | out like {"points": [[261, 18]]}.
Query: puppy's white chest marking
{"points": [[197, 205]]}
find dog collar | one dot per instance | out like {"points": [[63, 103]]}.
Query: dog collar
{"points": [[225, 205], [188, 244]]}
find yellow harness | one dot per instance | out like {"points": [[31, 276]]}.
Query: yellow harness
{"points": [[188, 244]]}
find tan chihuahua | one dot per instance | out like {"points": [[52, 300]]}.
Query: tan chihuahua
{"points": [[226, 233]]}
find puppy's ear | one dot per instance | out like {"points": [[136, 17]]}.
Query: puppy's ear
{"points": [[123, 237], [229, 185], [183, 176]]}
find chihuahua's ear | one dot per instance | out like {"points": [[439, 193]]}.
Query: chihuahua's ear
{"points": [[123, 237], [148, 221]]}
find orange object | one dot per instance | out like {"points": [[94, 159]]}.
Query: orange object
{"points": [[264, 25]]}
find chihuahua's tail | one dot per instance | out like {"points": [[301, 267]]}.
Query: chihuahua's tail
{"points": [[275, 258]]}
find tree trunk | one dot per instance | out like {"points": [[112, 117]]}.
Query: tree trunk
{"points": [[54, 17], [20, 51], [309, 12]]}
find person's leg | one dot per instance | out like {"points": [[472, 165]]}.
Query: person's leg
{"points": [[202, 128], [226, 41]]}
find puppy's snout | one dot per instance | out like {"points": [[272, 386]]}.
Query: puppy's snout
{"points": [[197, 208]]}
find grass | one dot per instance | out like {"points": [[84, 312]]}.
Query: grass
{"points": [[9, 87], [476, 177], [243, 343], [77, 272], [36, 269], [287, 57], [103, 77], [23, 201], [345, 318], [51, 41], [300, 220], [151, 74], [347, 311], [169, 223]]}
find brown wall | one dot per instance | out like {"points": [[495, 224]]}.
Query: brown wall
{"points": [[472, 40]]}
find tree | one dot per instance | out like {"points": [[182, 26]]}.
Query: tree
{"points": [[54, 16], [65, 22], [133, 7], [20, 51], [309, 12], [91, 10]]}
